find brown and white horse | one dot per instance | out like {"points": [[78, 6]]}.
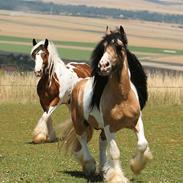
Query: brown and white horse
{"points": [[110, 100], [55, 85]]}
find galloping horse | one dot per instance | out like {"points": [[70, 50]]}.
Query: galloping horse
{"points": [[110, 100], [55, 85]]}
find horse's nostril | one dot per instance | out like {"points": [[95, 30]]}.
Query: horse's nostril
{"points": [[107, 64]]}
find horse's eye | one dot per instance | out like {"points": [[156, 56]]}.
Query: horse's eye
{"points": [[118, 47]]}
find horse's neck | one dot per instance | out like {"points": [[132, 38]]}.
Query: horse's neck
{"points": [[120, 80], [57, 66], [58, 63]]}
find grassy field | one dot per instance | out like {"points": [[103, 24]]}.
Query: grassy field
{"points": [[22, 161]]}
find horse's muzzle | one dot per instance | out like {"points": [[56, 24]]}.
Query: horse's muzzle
{"points": [[38, 73], [104, 68]]}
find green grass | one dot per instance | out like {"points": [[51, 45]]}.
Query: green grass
{"points": [[64, 43], [71, 53], [21, 161], [74, 54], [155, 50], [65, 53]]}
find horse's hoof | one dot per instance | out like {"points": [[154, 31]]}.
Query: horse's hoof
{"points": [[40, 138], [89, 167], [139, 162], [114, 176]]}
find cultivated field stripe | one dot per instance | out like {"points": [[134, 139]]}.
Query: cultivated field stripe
{"points": [[92, 45]]}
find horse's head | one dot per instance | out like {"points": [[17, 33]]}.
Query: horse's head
{"points": [[40, 55], [114, 51]]}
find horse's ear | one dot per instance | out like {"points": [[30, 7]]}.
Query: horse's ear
{"points": [[34, 42], [121, 29], [46, 43], [123, 33], [107, 31]]}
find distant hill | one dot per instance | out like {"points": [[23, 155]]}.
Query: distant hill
{"points": [[89, 11], [160, 6]]}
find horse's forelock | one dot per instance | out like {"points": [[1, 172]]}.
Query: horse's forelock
{"points": [[100, 48], [41, 43]]}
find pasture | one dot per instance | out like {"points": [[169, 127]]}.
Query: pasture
{"points": [[22, 161]]}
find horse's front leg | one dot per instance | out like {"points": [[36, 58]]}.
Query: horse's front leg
{"points": [[102, 151], [112, 170], [44, 131], [143, 154]]}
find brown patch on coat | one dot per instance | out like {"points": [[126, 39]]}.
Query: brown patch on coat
{"points": [[45, 55], [82, 70], [77, 107], [48, 94]]}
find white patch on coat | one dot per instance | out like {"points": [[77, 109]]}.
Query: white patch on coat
{"points": [[38, 62], [88, 92]]}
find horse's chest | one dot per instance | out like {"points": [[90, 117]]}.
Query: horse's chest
{"points": [[122, 115], [121, 111], [48, 91], [52, 91]]}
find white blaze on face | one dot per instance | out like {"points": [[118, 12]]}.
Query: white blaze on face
{"points": [[38, 63], [104, 65]]}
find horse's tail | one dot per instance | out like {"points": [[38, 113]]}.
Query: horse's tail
{"points": [[69, 140]]}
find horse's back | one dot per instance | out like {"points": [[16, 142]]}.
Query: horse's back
{"points": [[81, 69]]}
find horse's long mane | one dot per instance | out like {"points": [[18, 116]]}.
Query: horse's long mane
{"points": [[138, 76], [54, 56]]}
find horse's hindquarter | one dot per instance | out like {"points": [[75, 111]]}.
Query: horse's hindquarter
{"points": [[118, 111]]}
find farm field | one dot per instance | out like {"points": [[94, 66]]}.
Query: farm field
{"points": [[22, 161], [75, 37]]}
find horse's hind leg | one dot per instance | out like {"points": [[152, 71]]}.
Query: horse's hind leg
{"points": [[112, 169], [83, 155], [143, 154]]}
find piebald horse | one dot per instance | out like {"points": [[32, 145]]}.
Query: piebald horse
{"points": [[55, 85], [110, 100]]}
